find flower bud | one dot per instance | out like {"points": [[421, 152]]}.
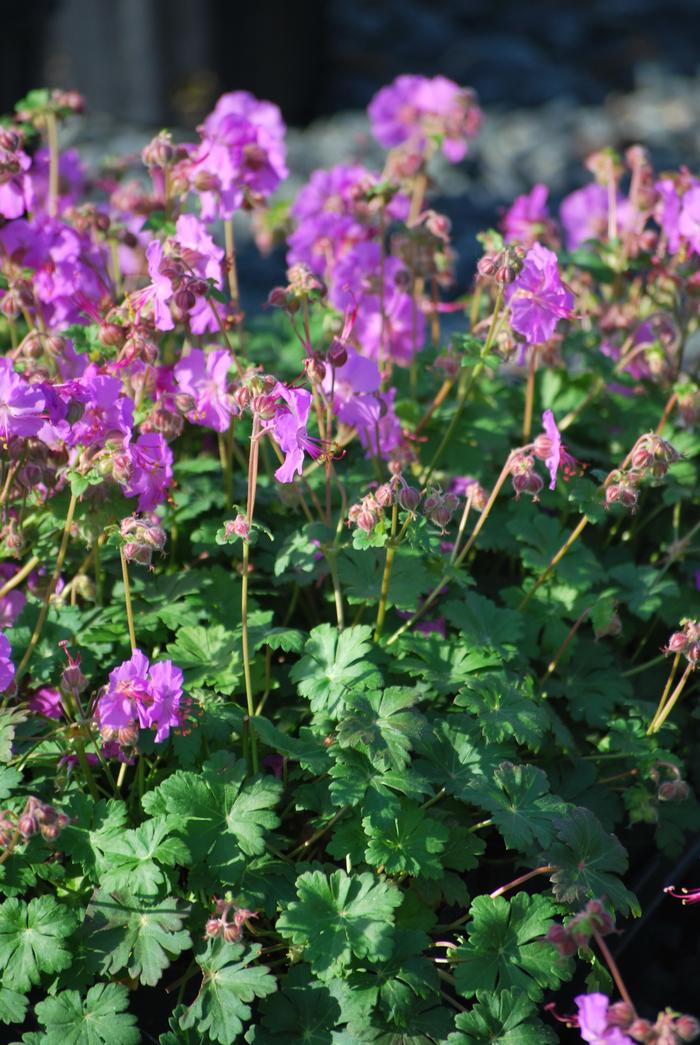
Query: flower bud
{"points": [[136, 552], [527, 482], [384, 495], [213, 928], [409, 498], [366, 520], [487, 266], [278, 298], [238, 526], [561, 939], [687, 1028], [441, 516], [72, 678], [621, 1014], [337, 353], [316, 369], [185, 299], [641, 1030], [673, 791], [112, 334], [28, 825], [159, 152], [231, 932]]}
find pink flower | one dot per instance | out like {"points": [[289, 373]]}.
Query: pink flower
{"points": [[203, 376], [47, 702], [527, 219], [416, 110], [593, 1021], [289, 429], [21, 404], [584, 214], [689, 218], [549, 448], [538, 299], [140, 693], [150, 470], [7, 668]]}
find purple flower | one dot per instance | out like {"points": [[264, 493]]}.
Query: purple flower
{"points": [[139, 692], [538, 299], [689, 218], [668, 211], [21, 404], [7, 668], [593, 1021], [416, 110], [584, 214], [160, 290], [47, 702], [242, 154], [527, 219], [357, 375], [106, 411], [289, 429], [203, 376], [150, 470], [15, 185], [378, 427]]}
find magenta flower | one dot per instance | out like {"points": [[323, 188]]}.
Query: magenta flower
{"points": [[593, 1021], [140, 693], [204, 258], [21, 404], [357, 375], [7, 668], [378, 427], [538, 299], [417, 110], [150, 470], [242, 154], [203, 375], [667, 212], [689, 218], [106, 411], [47, 702], [527, 219], [160, 290], [584, 214], [289, 429], [15, 185]]}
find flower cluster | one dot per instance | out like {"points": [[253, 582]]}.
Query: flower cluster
{"points": [[686, 641], [37, 817], [222, 924], [140, 695]]}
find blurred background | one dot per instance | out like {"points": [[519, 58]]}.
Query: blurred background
{"points": [[556, 80]]}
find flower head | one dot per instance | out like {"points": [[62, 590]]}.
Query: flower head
{"points": [[203, 376], [21, 404], [593, 1021], [7, 668], [143, 695], [416, 109], [538, 299], [289, 429]]}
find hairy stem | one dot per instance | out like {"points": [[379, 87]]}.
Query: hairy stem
{"points": [[52, 142], [612, 966], [127, 600], [670, 703]]}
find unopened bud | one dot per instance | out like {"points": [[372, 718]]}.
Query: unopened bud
{"points": [[112, 334], [673, 791], [641, 1030], [384, 495], [409, 498], [337, 353], [621, 1014], [213, 928], [441, 516], [238, 526], [687, 1028], [28, 825], [366, 520]]}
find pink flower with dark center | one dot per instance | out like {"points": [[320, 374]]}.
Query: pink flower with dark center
{"points": [[203, 376], [140, 693], [21, 404], [593, 1021], [538, 299]]}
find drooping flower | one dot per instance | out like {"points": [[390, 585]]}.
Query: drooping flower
{"points": [[417, 110], [548, 447], [143, 694], [593, 1021], [289, 429], [21, 404], [538, 299], [7, 668], [203, 376]]}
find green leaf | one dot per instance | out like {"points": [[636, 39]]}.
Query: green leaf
{"points": [[506, 948], [643, 589], [361, 575], [407, 844], [208, 656], [221, 817], [444, 666], [588, 861], [522, 808], [505, 1018], [504, 706], [383, 726], [10, 718], [99, 1020], [229, 984], [303, 1010], [482, 623], [337, 916], [142, 938], [13, 1006], [33, 940], [334, 663], [133, 860]]}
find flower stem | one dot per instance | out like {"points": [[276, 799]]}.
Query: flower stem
{"points": [[670, 403], [252, 486], [545, 869], [466, 389], [552, 666], [612, 966], [19, 576], [231, 267], [227, 472], [52, 141], [529, 394], [386, 576], [43, 612], [662, 715], [571, 539], [127, 600], [305, 846]]}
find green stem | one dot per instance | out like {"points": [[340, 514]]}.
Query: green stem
{"points": [[85, 767], [43, 612], [52, 141], [670, 703], [386, 576], [127, 600], [466, 389], [225, 461], [571, 539]]}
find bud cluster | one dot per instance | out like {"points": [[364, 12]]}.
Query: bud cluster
{"points": [[219, 924], [502, 266], [238, 527], [578, 930], [37, 817], [650, 457], [524, 477], [142, 535], [670, 1028], [366, 513], [686, 641], [303, 285], [440, 507]]}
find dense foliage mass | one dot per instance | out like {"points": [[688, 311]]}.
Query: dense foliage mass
{"points": [[347, 649]]}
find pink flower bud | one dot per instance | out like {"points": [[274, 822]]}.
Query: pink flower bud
{"points": [[527, 482], [409, 498], [136, 552], [673, 791], [441, 516], [561, 939], [112, 334], [677, 643], [641, 1030], [337, 353], [384, 495], [238, 527], [316, 369], [687, 1028], [366, 520], [28, 825], [213, 928], [621, 1014]]}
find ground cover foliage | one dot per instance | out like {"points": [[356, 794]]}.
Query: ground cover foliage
{"points": [[348, 650]]}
